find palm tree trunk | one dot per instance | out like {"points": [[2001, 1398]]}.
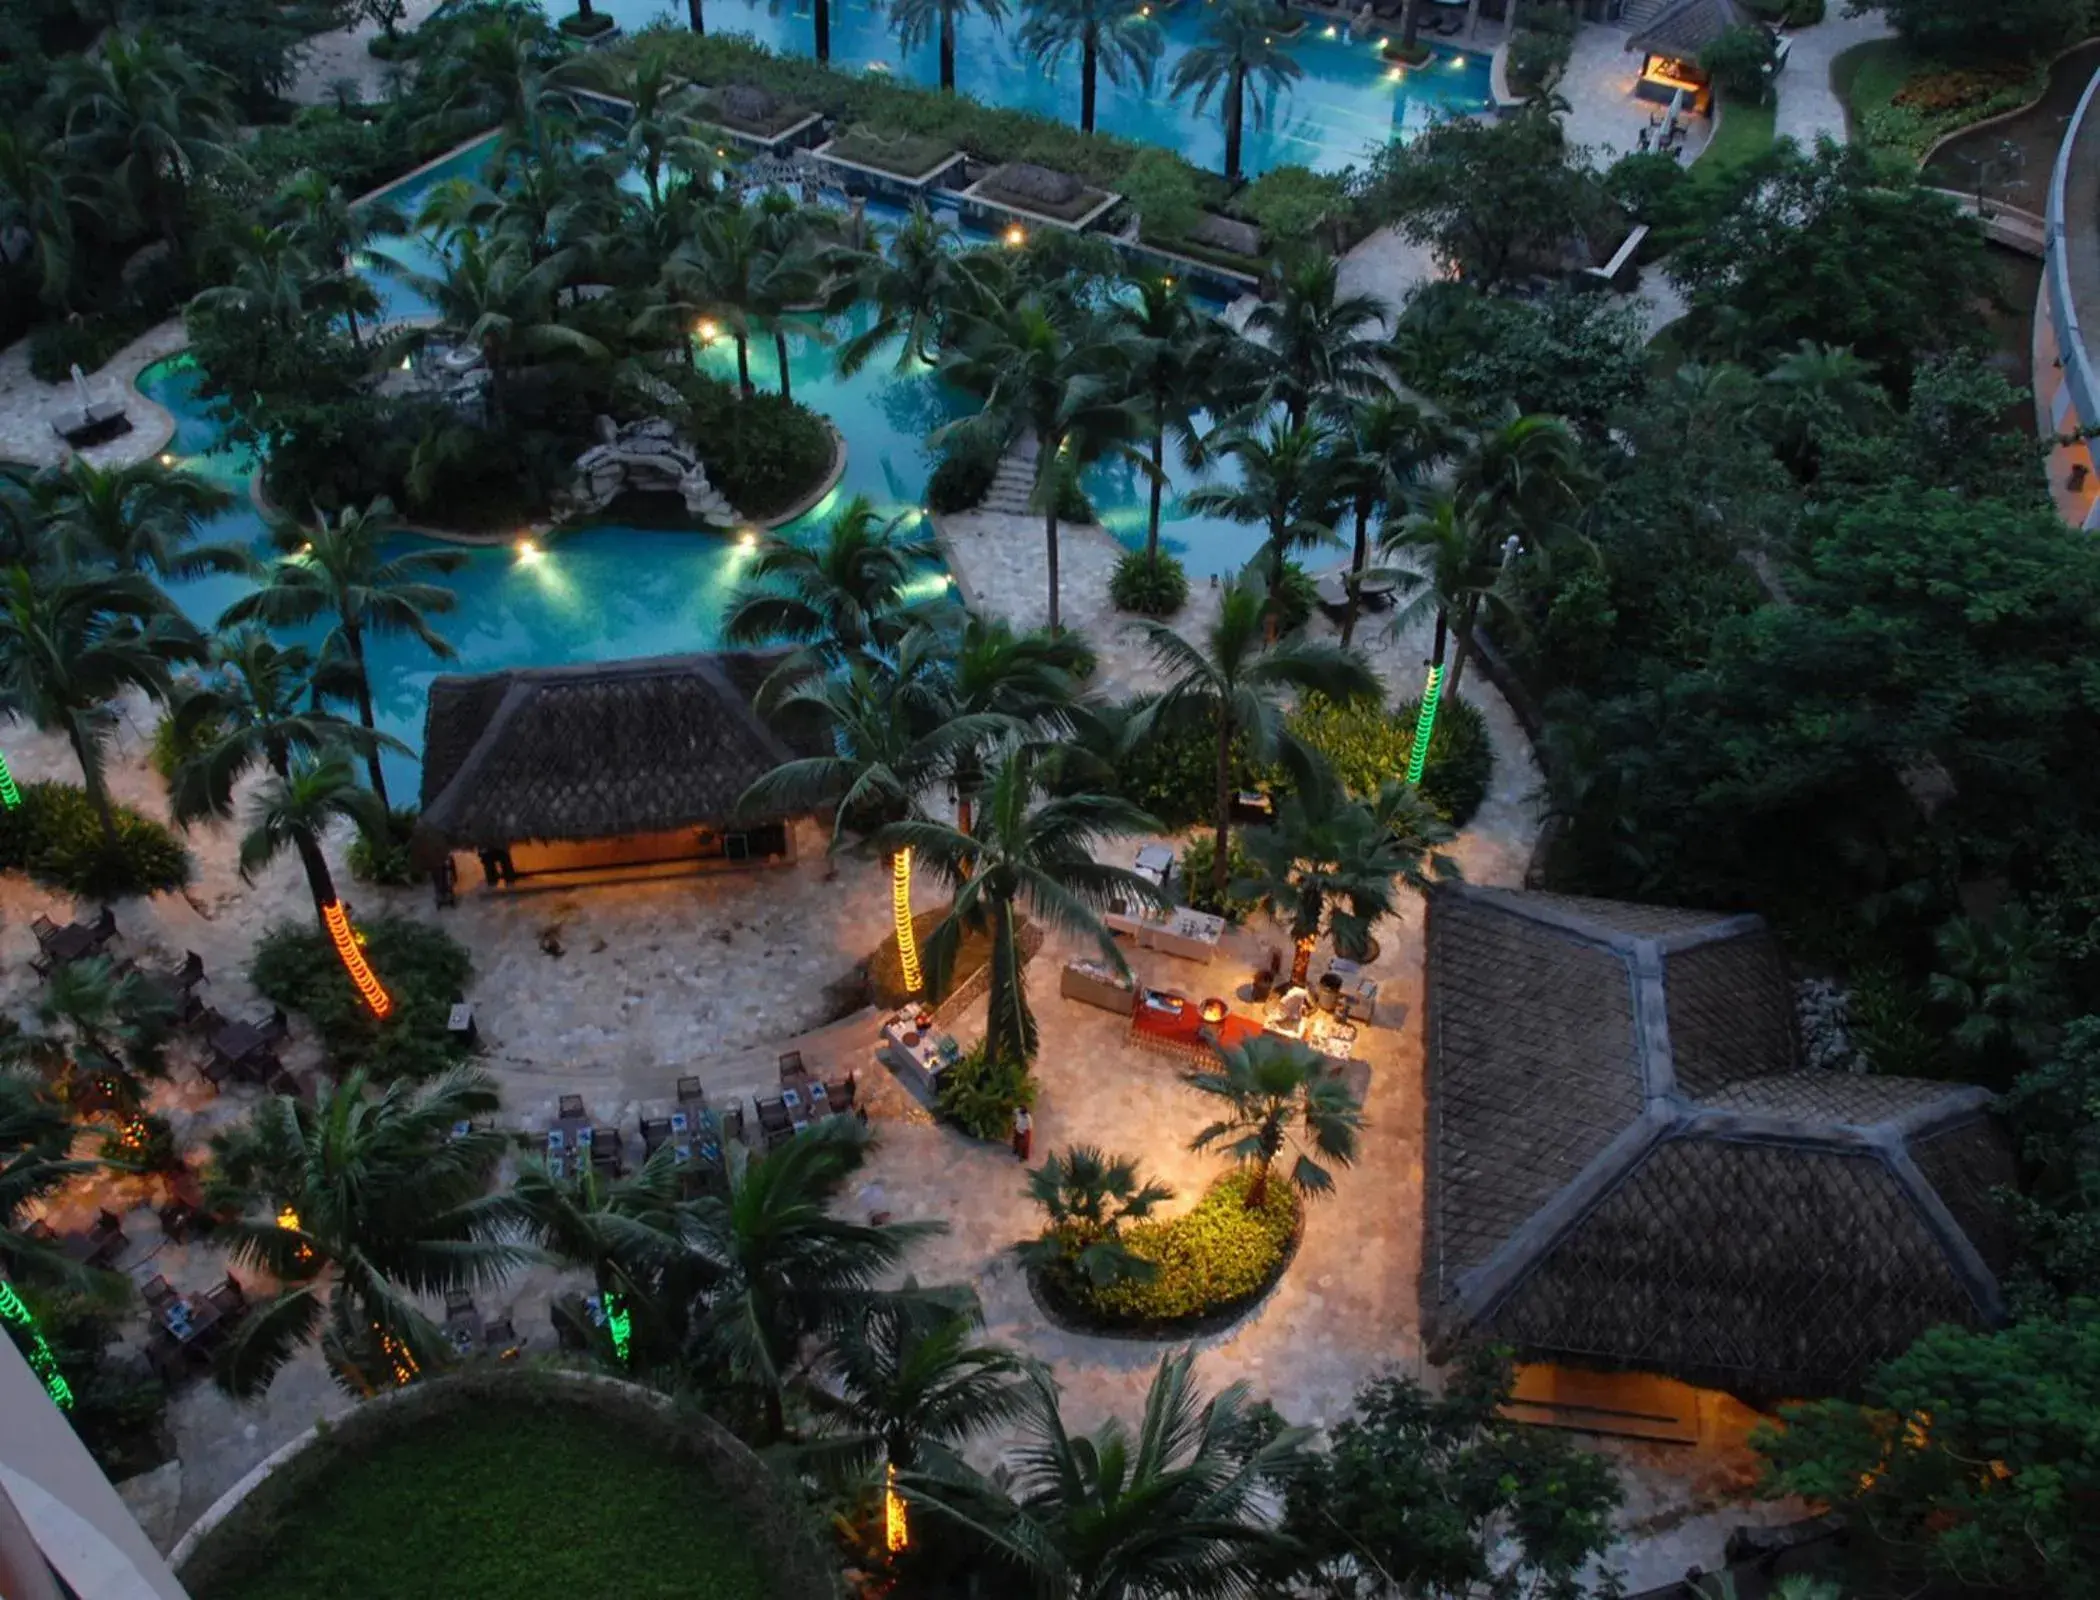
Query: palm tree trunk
{"points": [[1159, 451], [1272, 616], [318, 878], [90, 760], [822, 18], [780, 349], [1009, 1026], [1361, 555], [947, 53], [743, 365], [1233, 110], [1087, 59], [900, 919], [1410, 25], [1050, 557], [583, 8], [693, 16], [1464, 629], [1220, 876], [353, 636]]}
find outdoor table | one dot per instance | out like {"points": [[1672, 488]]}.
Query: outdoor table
{"points": [[94, 1247], [921, 1062], [74, 940], [188, 1318], [240, 1042], [569, 1140]]}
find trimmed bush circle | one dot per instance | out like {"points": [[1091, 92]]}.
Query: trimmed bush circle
{"points": [[55, 837], [424, 969], [1214, 1262], [1155, 588]]}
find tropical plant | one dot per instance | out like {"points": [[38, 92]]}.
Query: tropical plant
{"points": [[1087, 1197], [44, 196], [1045, 375], [1235, 681], [1113, 38], [294, 813], [838, 598], [1278, 1092], [1457, 574], [916, 21], [36, 1136], [1288, 484], [1179, 1507], [1033, 678], [508, 70], [1813, 391], [135, 518], [917, 280], [1318, 342], [496, 298], [109, 1026], [733, 273], [1385, 449], [1330, 865], [1174, 350], [335, 568], [782, 1270], [355, 1205], [334, 234], [1240, 62], [70, 645], [1021, 847]]}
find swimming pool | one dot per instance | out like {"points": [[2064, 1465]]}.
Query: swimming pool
{"points": [[1350, 99]]}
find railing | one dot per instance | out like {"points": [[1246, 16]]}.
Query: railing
{"points": [[2079, 375]]}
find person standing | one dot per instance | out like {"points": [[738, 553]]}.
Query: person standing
{"points": [[1024, 1132]]}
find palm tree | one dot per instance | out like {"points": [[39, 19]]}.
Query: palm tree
{"points": [[1174, 352], [1088, 1196], [791, 273], [1240, 57], [111, 1026], [506, 71], [136, 518], [917, 282], [153, 117], [1288, 484], [36, 1134], [841, 597], [820, 24], [44, 196], [335, 568], [1319, 341], [664, 118], [1458, 573], [294, 813], [1520, 475], [71, 645], [894, 734], [258, 706], [1279, 1091], [1236, 681], [497, 299], [1387, 447], [1056, 383], [269, 281], [335, 235], [1181, 1507], [907, 1380], [354, 1206], [719, 275], [1033, 678], [916, 21], [1022, 847], [783, 1269], [1114, 38], [1331, 863], [1814, 390]]}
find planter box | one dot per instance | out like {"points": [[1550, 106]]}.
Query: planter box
{"points": [[983, 211], [803, 135], [858, 176]]}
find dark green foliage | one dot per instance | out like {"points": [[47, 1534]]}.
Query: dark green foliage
{"points": [[980, 1095], [764, 453], [1297, 598], [55, 348], [1197, 857], [386, 861], [2019, 29], [1740, 64], [1443, 1495], [55, 837], [479, 1480], [424, 968], [1209, 1264], [579, 26], [1152, 588], [1173, 774], [119, 1409], [1538, 54], [2054, 1112], [963, 476], [1974, 1459], [173, 745], [1368, 745], [153, 1151]]}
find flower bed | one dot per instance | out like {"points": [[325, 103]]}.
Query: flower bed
{"points": [[1215, 1263]]}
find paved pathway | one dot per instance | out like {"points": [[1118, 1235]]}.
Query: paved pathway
{"points": [[1808, 107], [27, 405]]}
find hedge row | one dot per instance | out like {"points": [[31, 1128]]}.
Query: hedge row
{"points": [[55, 836]]}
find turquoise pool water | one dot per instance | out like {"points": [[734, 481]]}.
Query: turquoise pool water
{"points": [[1349, 100]]}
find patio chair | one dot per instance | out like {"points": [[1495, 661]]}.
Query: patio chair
{"points": [[840, 1092], [156, 1291], [791, 1067], [104, 927], [191, 973], [690, 1093], [230, 1298], [775, 1122], [605, 1150], [656, 1133], [458, 1300], [571, 1105], [43, 927]]}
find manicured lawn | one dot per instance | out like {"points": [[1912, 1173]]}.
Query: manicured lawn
{"points": [[503, 1502], [1745, 134], [1867, 77]]}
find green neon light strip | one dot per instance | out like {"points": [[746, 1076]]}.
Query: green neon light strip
{"points": [[1425, 725], [619, 1322], [10, 796], [41, 1361]]}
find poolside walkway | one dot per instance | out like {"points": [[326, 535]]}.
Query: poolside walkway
{"points": [[27, 404], [1809, 108]]}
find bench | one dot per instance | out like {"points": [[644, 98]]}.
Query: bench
{"points": [[1608, 274]]}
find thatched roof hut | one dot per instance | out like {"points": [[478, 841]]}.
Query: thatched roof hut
{"points": [[606, 750], [1630, 1168], [1674, 40]]}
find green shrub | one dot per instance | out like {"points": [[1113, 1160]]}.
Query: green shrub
{"points": [[1292, 203], [980, 1095], [1539, 54], [171, 747], [55, 837], [1299, 595], [762, 452], [424, 968], [909, 155], [578, 26], [963, 476], [1196, 858], [1740, 64], [88, 342], [1365, 745], [1173, 775], [386, 860], [1163, 189], [1212, 1261], [1152, 588], [148, 1145]]}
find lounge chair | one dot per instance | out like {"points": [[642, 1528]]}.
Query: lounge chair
{"points": [[791, 1067], [571, 1105], [656, 1133], [690, 1093]]}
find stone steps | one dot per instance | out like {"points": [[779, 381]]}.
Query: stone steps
{"points": [[1012, 485]]}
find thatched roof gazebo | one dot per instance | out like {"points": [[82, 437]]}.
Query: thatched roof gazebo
{"points": [[1629, 1168], [608, 764], [1674, 40]]}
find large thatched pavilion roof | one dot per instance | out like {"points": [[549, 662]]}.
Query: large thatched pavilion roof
{"points": [[1629, 1167], [1686, 28], [597, 751]]}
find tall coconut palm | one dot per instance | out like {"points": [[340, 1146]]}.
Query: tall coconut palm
{"points": [[719, 276], [792, 274], [151, 116], [1236, 682], [1180, 1506], [839, 597], [508, 71], [1811, 392], [1033, 678], [1458, 577], [109, 1024], [70, 645], [1521, 474], [784, 1270], [268, 279], [1289, 484], [1240, 62], [894, 735], [908, 1380], [336, 568], [917, 281], [136, 518], [1387, 447], [36, 1136], [665, 116], [1115, 39], [1061, 384], [495, 298], [820, 26], [295, 813], [1174, 353], [256, 706], [1087, 1197], [335, 235], [1318, 341], [355, 1206], [1041, 852], [1331, 864], [916, 21], [1279, 1092]]}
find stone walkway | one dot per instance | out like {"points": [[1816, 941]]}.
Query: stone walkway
{"points": [[1603, 115], [27, 405], [1809, 107]]}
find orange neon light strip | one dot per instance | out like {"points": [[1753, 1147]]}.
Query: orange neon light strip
{"points": [[369, 988]]}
